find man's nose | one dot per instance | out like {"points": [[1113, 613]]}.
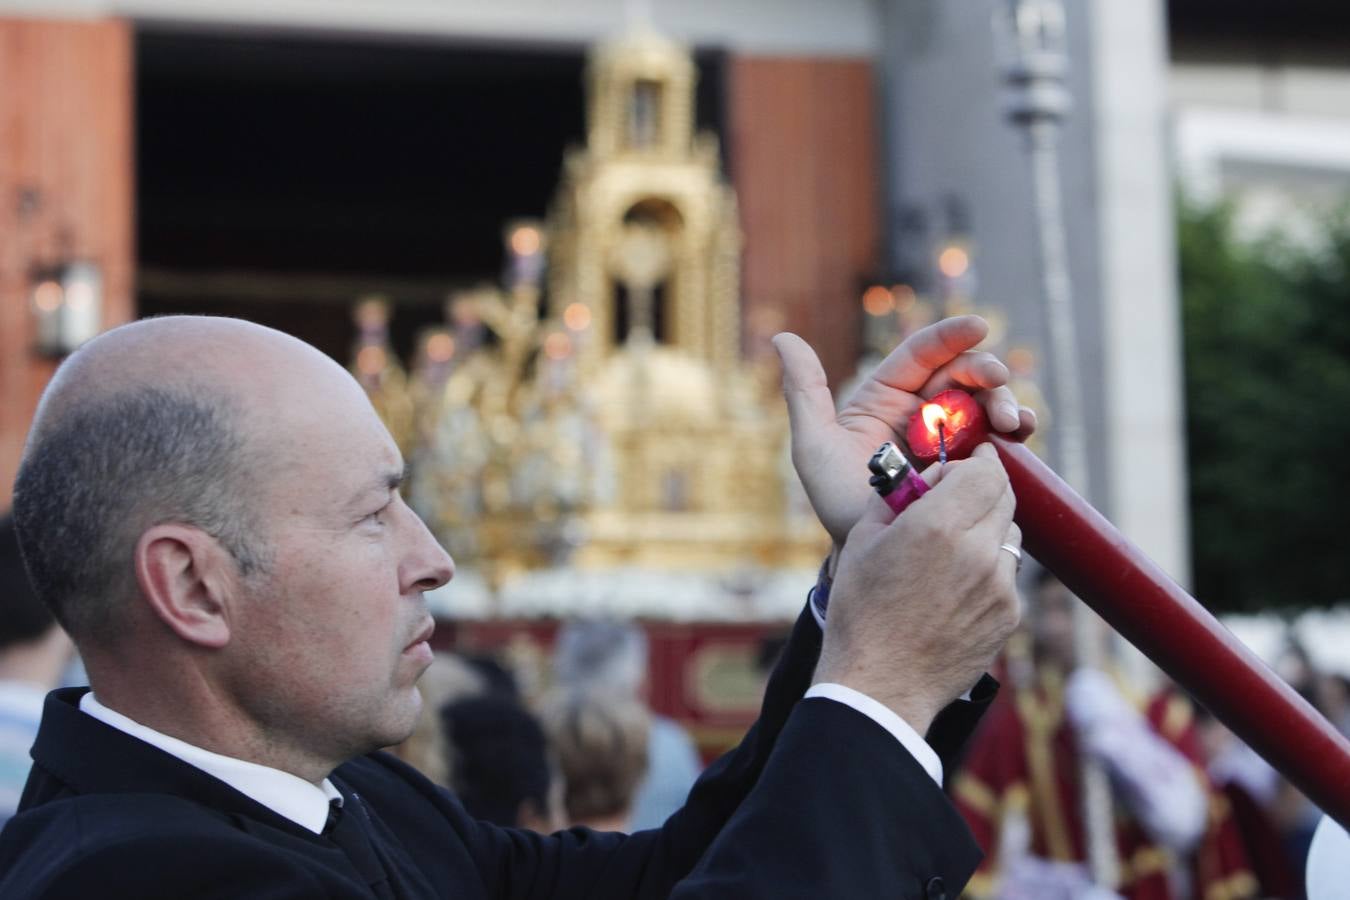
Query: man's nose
{"points": [[427, 566]]}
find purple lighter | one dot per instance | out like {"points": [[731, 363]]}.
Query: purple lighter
{"points": [[894, 478]]}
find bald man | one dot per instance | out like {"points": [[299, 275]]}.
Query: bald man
{"points": [[212, 510]]}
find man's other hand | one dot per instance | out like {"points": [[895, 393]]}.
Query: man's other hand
{"points": [[922, 604], [830, 451]]}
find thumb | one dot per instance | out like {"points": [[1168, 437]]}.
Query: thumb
{"points": [[805, 389]]}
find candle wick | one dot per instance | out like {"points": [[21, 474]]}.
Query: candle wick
{"points": [[942, 445]]}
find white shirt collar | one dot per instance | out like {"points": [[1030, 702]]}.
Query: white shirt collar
{"points": [[285, 794]]}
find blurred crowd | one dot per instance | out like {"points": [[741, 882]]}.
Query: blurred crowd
{"points": [[1188, 810], [588, 751]]}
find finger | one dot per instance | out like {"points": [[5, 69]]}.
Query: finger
{"points": [[1026, 425], [910, 365], [1001, 407], [971, 369], [876, 512], [1012, 538], [876, 516], [933, 474], [974, 489], [805, 387], [1002, 514], [990, 528]]}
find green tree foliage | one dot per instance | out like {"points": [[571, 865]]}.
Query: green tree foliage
{"points": [[1267, 359]]}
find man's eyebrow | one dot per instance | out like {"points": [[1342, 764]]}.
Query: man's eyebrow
{"points": [[397, 478], [385, 482]]}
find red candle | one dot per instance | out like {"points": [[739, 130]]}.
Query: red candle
{"points": [[953, 417], [1150, 610]]}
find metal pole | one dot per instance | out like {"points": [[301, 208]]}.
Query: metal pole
{"points": [[1039, 103]]}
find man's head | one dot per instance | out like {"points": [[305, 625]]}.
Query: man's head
{"points": [[1050, 620], [601, 655], [213, 506], [502, 768], [23, 618], [601, 742]]}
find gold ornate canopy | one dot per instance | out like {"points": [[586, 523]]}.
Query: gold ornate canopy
{"points": [[609, 423]]}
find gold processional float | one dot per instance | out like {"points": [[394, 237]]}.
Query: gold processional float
{"points": [[587, 438]]}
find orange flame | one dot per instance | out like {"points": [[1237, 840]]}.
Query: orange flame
{"points": [[933, 415]]}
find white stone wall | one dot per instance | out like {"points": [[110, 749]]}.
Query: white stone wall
{"points": [[1289, 89], [1140, 318], [1273, 135], [781, 27]]}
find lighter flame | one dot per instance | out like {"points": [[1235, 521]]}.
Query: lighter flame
{"points": [[933, 415]]}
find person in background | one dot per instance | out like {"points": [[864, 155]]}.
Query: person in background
{"points": [[1295, 815], [601, 742], [1249, 785], [1336, 701], [608, 658], [1019, 790], [34, 652], [500, 763]]}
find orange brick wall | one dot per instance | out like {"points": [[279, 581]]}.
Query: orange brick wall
{"points": [[65, 143], [803, 148]]}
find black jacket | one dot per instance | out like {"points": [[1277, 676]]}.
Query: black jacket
{"points": [[817, 801]]}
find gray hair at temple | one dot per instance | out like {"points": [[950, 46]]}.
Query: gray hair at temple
{"points": [[100, 471], [601, 655]]}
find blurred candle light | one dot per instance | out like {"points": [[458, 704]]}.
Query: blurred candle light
{"points": [[47, 296], [370, 361], [904, 296], [557, 346], [67, 303], [440, 347], [577, 316], [878, 301], [953, 262], [525, 240]]}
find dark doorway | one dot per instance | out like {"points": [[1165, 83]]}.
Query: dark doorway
{"points": [[281, 175]]}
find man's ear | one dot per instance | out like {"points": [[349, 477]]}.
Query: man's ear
{"points": [[185, 575]]}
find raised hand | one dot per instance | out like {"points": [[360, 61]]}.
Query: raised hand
{"points": [[922, 603], [830, 449]]}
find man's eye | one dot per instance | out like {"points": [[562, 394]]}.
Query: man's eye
{"points": [[378, 515]]}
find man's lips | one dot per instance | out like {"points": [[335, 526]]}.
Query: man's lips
{"points": [[423, 634]]}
